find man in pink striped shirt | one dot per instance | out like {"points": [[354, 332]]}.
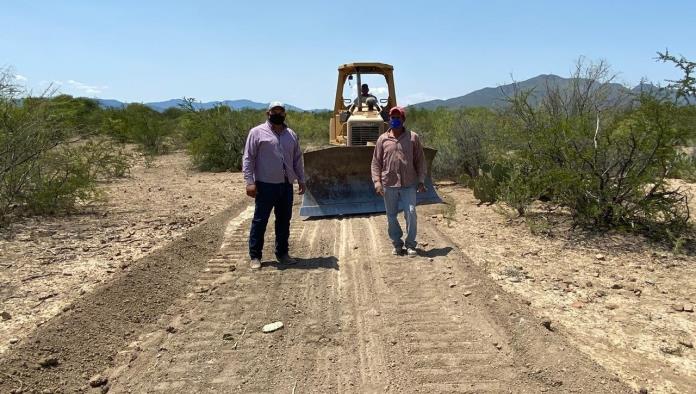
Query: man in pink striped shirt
{"points": [[272, 163], [398, 172]]}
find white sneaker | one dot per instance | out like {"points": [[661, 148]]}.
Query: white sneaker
{"points": [[411, 252], [398, 251], [255, 264]]}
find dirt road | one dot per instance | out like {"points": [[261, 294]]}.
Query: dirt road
{"points": [[188, 318]]}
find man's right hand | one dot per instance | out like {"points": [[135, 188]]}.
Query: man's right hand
{"points": [[251, 191], [379, 189]]}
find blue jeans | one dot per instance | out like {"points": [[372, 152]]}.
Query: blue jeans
{"points": [[406, 197], [276, 196]]}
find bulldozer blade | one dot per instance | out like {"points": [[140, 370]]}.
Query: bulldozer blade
{"points": [[339, 182]]}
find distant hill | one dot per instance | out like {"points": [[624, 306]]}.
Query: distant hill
{"points": [[107, 103], [487, 97], [162, 106], [496, 97]]}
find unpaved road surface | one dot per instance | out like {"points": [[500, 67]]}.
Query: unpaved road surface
{"points": [[188, 318], [149, 291]]}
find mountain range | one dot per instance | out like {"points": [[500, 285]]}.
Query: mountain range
{"points": [[496, 97], [489, 97], [162, 106]]}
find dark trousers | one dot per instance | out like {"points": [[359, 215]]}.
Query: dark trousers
{"points": [[276, 196]]}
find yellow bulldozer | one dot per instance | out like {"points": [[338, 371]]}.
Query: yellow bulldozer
{"points": [[338, 176]]}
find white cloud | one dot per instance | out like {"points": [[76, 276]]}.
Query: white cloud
{"points": [[82, 87], [415, 98], [20, 77], [72, 86]]}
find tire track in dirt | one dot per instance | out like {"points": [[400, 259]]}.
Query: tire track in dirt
{"points": [[357, 319], [303, 296], [361, 310], [430, 335]]}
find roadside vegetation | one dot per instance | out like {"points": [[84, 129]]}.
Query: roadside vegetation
{"points": [[606, 158]]}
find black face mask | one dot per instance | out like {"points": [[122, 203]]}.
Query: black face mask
{"points": [[277, 119]]}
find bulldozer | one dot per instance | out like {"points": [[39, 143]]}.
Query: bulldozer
{"points": [[338, 176]]}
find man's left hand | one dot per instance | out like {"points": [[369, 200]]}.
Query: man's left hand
{"points": [[301, 188], [421, 187]]}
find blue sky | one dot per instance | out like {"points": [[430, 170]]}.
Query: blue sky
{"points": [[289, 50]]}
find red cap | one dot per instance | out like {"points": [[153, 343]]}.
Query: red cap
{"points": [[398, 111]]}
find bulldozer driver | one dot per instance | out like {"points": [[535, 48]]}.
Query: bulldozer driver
{"points": [[398, 173], [365, 97], [272, 162]]}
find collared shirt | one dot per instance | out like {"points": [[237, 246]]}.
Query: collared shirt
{"points": [[398, 162], [271, 157]]}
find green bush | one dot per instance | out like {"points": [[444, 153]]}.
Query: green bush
{"points": [[605, 158], [311, 127], [68, 175], [463, 138], [217, 136], [55, 180], [46, 164], [139, 124], [58, 181]]}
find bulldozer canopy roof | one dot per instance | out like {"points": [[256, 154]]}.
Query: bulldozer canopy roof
{"points": [[377, 68]]}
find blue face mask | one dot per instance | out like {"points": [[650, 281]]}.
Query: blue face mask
{"points": [[395, 123]]}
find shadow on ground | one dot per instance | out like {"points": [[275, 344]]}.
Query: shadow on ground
{"points": [[436, 252], [326, 262]]}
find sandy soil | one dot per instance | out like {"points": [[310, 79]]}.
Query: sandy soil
{"points": [[47, 262], [626, 302], [150, 292]]}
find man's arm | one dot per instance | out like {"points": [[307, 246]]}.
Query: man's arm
{"points": [[419, 162], [377, 165], [298, 166], [249, 162]]}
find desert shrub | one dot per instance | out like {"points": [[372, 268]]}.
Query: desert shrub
{"points": [[46, 165], [685, 87], [216, 136], [464, 139], [139, 124], [68, 175], [311, 127], [604, 157], [57, 182]]}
